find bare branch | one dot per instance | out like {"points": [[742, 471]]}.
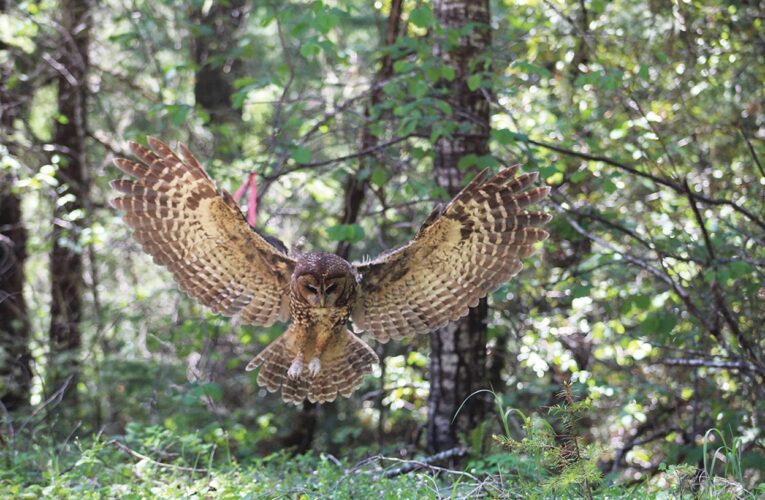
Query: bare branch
{"points": [[714, 363], [163, 465], [425, 463], [752, 152], [679, 188], [339, 159]]}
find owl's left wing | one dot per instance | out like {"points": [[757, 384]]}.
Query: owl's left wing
{"points": [[198, 232], [461, 252]]}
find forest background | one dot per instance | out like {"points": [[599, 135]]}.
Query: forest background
{"points": [[627, 358]]}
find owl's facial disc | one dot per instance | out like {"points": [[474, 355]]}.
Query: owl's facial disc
{"points": [[333, 290], [309, 289]]}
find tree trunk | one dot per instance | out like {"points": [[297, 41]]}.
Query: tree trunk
{"points": [[15, 375], [14, 323], [355, 188], [216, 70], [66, 260], [458, 351], [355, 191]]}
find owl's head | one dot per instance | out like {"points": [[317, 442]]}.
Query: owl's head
{"points": [[324, 280]]}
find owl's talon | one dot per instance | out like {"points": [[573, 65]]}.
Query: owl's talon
{"points": [[314, 367], [296, 368]]}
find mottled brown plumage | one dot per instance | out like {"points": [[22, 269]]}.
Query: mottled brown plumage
{"points": [[462, 251]]}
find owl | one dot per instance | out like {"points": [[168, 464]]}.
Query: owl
{"points": [[462, 251]]}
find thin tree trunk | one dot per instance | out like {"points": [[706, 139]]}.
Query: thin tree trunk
{"points": [[216, 70], [14, 323], [355, 192], [15, 376], [458, 351], [66, 259], [355, 188]]}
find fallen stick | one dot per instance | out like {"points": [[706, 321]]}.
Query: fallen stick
{"points": [[141, 456], [412, 465]]}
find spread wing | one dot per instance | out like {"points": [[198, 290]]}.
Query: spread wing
{"points": [[201, 236], [460, 253]]}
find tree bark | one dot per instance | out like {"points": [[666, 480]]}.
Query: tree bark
{"points": [[216, 70], [15, 375], [355, 188], [66, 260], [458, 351], [355, 192]]}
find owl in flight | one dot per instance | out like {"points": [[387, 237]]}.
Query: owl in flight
{"points": [[461, 252]]}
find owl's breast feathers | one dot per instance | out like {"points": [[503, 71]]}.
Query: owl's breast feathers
{"points": [[319, 320]]}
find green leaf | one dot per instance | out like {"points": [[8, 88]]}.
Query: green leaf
{"points": [[581, 291], [377, 129], [345, 232], [579, 176], [153, 344], [422, 17], [178, 113], [402, 66], [300, 154], [531, 68], [474, 82], [444, 107], [418, 89], [325, 22], [212, 390], [432, 73], [467, 161], [739, 268], [503, 136], [548, 171], [658, 323], [642, 302], [310, 49], [419, 153], [486, 161], [379, 176]]}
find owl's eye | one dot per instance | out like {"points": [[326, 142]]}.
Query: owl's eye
{"points": [[311, 289], [331, 288]]}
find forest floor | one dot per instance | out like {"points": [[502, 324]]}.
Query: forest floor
{"points": [[164, 465]]}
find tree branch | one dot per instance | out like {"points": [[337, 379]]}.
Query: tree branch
{"points": [[425, 463], [163, 465], [679, 188], [714, 363]]}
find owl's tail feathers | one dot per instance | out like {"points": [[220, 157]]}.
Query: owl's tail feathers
{"points": [[343, 367], [274, 361]]}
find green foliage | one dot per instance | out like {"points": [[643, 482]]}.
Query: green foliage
{"points": [[151, 463], [562, 463], [345, 232]]}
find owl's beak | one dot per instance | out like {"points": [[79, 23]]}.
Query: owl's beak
{"points": [[322, 300]]}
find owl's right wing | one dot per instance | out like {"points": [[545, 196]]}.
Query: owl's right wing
{"points": [[201, 236], [461, 252]]}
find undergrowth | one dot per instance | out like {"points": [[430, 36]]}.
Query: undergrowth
{"points": [[534, 456]]}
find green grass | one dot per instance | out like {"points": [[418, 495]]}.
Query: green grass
{"points": [[152, 462], [155, 462], [108, 470]]}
